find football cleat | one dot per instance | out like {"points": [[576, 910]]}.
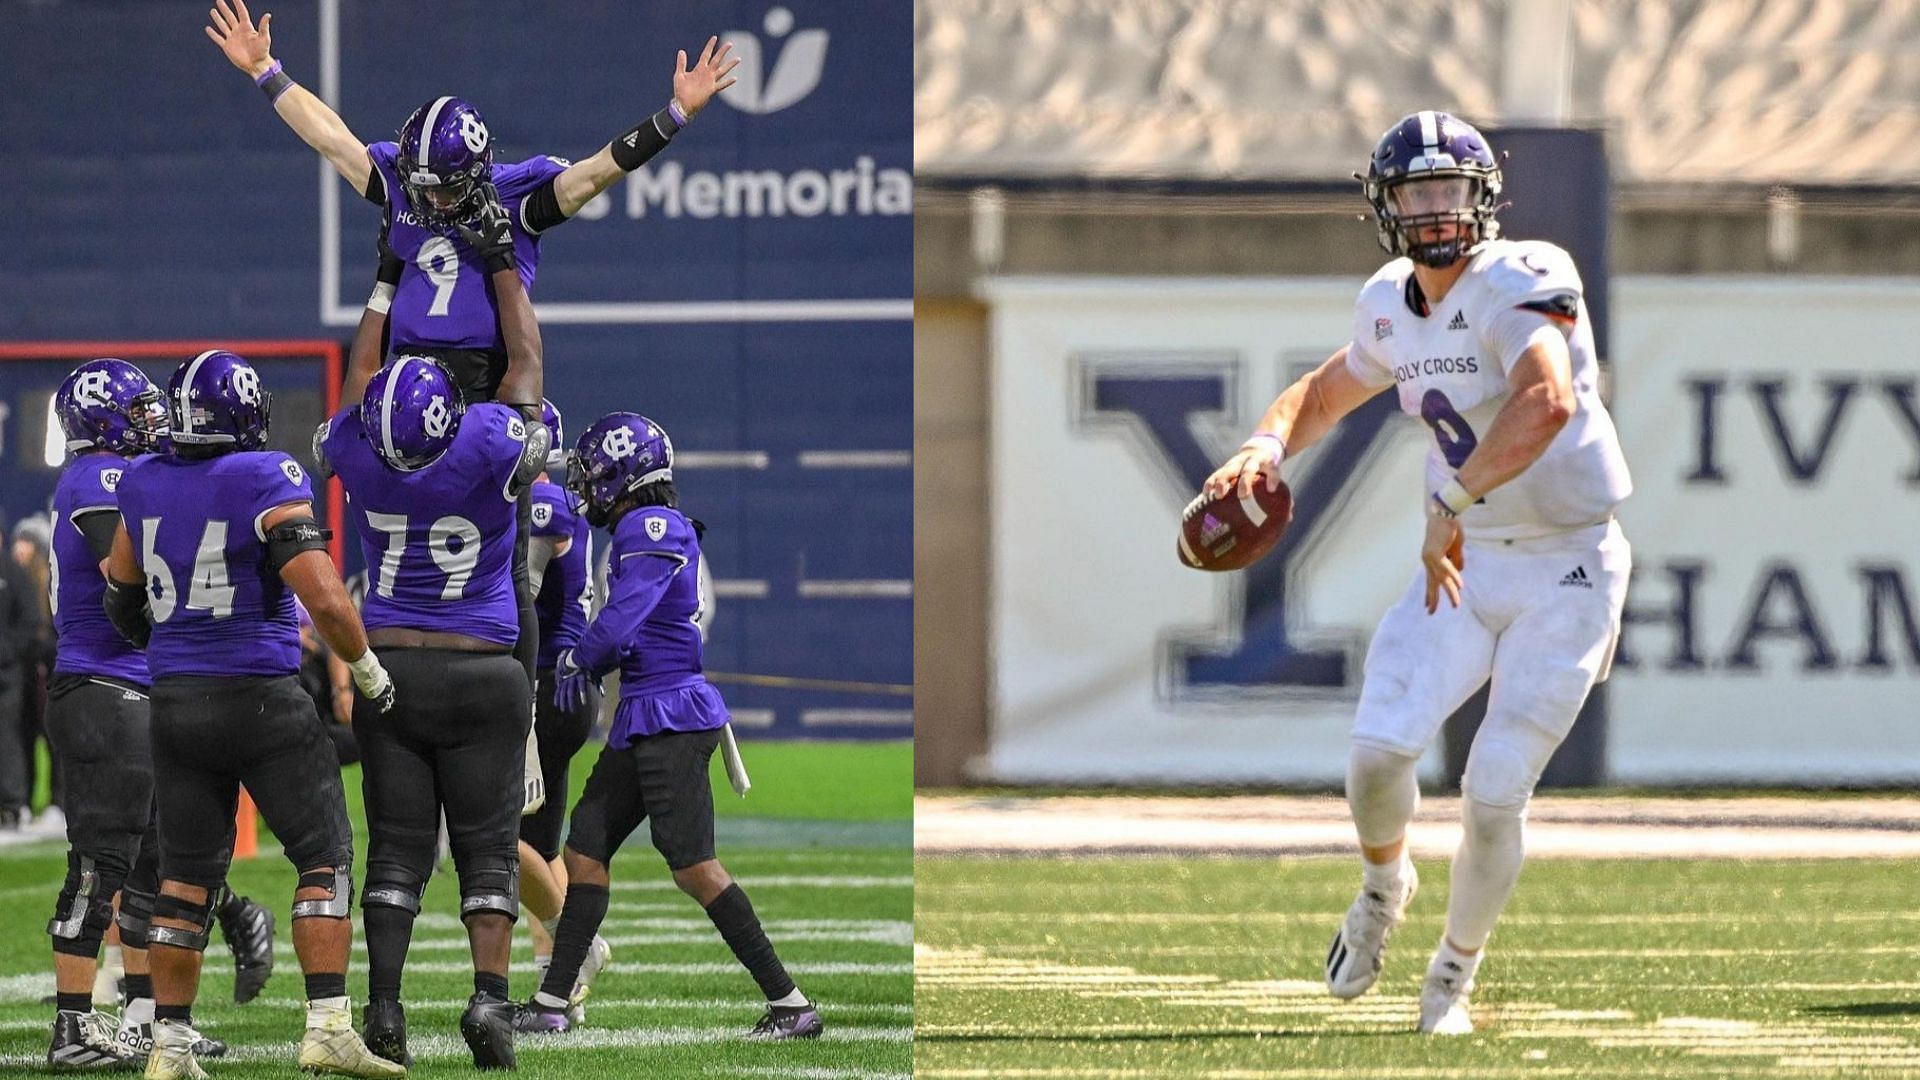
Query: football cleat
{"points": [[1360, 945], [171, 1056], [138, 1040], [385, 1024], [84, 1040], [533, 1018], [487, 1025], [248, 930], [787, 1022], [1443, 997], [337, 1049]]}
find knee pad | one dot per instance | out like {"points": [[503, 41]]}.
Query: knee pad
{"points": [[1382, 791], [490, 885], [1505, 763], [136, 915], [85, 907], [387, 887], [337, 904], [199, 915]]}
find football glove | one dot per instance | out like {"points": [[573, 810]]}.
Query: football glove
{"points": [[570, 682], [374, 682], [490, 233]]}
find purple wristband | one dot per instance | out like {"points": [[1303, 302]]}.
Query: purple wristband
{"points": [[679, 117], [261, 79]]}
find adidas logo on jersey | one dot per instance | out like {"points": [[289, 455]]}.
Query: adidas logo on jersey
{"points": [[1459, 321], [1578, 578]]}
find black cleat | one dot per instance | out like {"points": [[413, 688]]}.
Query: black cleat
{"points": [[487, 1025], [533, 1018], [383, 1024], [787, 1022], [85, 1041], [248, 930]]}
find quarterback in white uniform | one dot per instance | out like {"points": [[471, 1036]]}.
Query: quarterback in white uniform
{"points": [[1487, 342]]}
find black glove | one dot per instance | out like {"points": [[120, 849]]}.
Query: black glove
{"points": [[490, 233], [390, 264]]}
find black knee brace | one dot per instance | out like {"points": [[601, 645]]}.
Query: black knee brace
{"points": [[388, 887], [85, 908], [338, 903], [200, 915], [490, 885], [136, 915]]}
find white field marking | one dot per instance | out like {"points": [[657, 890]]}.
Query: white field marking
{"points": [[807, 1072], [638, 907], [1332, 917], [452, 967], [785, 881], [26, 987], [436, 1045], [1851, 1061], [1333, 1073], [744, 1006]]}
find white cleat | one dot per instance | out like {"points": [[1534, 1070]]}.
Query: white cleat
{"points": [[340, 1051], [598, 957], [1443, 998], [172, 1055], [1360, 945]]}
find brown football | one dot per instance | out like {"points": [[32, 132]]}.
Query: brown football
{"points": [[1231, 533]]}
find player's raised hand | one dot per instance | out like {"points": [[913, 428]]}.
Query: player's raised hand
{"points": [[694, 86], [1444, 555], [490, 233], [247, 47]]}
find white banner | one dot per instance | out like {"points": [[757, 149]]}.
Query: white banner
{"points": [[1774, 433]]}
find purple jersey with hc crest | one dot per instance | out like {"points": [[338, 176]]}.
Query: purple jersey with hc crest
{"points": [[565, 591], [438, 541], [87, 643], [444, 297], [647, 627], [219, 608]]}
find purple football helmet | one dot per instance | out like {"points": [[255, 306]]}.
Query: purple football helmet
{"points": [[616, 456], [557, 450], [111, 405], [1433, 146], [218, 403], [411, 412], [446, 154]]}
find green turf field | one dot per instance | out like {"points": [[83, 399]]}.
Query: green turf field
{"points": [[822, 845], [1210, 966]]}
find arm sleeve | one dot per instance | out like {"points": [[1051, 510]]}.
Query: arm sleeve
{"points": [[641, 582], [540, 554], [380, 154], [541, 210], [97, 525]]}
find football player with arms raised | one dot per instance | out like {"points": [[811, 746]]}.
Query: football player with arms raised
{"points": [[665, 730], [207, 585], [1487, 342]]}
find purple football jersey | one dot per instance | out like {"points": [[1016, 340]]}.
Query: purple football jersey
{"points": [[438, 541], [566, 590], [648, 628], [219, 608], [87, 643], [443, 297]]}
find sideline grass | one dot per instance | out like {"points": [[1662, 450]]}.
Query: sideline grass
{"points": [[1193, 966], [822, 844]]}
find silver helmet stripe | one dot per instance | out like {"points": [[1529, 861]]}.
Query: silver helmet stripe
{"points": [[1429, 135], [386, 408], [426, 129], [186, 392]]}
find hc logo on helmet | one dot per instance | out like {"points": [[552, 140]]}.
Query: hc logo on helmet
{"points": [[796, 71], [618, 443], [473, 132], [437, 416], [246, 385], [91, 389]]}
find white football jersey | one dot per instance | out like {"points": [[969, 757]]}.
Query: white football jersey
{"points": [[1450, 367]]}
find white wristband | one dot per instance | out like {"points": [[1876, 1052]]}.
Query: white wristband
{"points": [[381, 301], [368, 675], [1254, 443], [1454, 496]]}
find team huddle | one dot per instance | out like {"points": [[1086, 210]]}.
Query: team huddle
{"points": [[187, 554]]}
